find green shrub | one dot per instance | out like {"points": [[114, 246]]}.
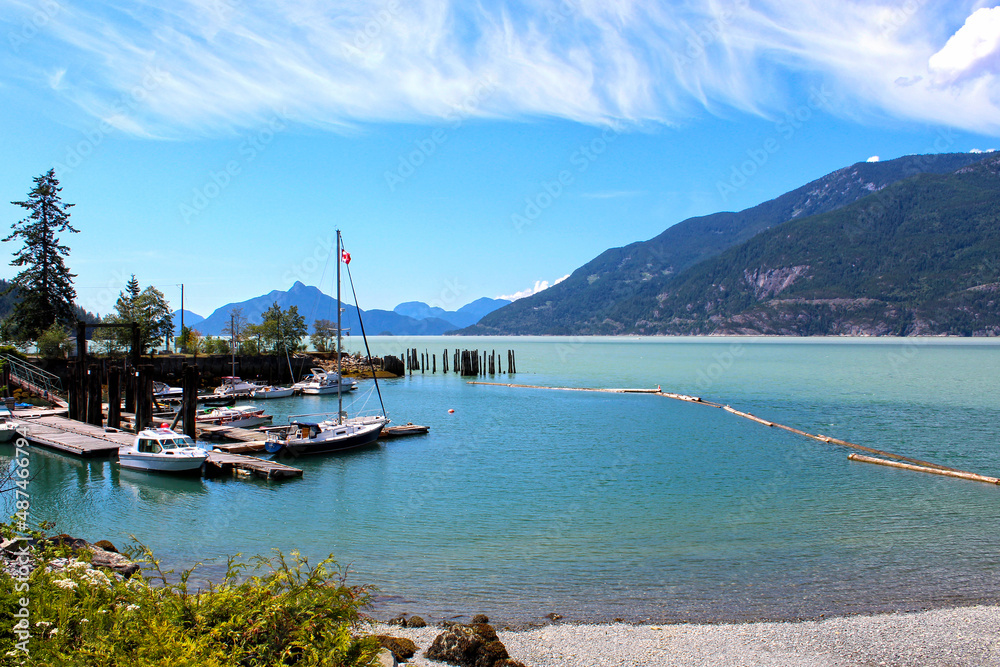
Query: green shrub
{"points": [[269, 611]]}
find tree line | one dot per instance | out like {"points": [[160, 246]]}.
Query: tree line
{"points": [[40, 300]]}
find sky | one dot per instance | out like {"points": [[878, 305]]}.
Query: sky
{"points": [[463, 149]]}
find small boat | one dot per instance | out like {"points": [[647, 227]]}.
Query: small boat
{"points": [[323, 382], [8, 425], [162, 390], [324, 437], [234, 386], [271, 392], [162, 450], [237, 416]]}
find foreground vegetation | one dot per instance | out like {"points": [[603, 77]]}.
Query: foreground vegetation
{"points": [[267, 611]]}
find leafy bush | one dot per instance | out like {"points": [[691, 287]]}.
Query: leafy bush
{"points": [[285, 613]]}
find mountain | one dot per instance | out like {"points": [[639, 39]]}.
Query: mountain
{"points": [[585, 302], [190, 320], [465, 316], [917, 258], [314, 304]]}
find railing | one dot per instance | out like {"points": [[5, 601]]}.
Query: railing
{"points": [[37, 377]]}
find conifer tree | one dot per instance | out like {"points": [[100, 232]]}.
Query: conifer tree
{"points": [[44, 286]]}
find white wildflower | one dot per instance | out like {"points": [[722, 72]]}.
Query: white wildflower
{"points": [[131, 607], [42, 624], [53, 632], [68, 584]]}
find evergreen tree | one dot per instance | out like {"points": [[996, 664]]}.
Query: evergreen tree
{"points": [[44, 285], [146, 307]]}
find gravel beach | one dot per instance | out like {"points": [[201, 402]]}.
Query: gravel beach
{"points": [[942, 637]]}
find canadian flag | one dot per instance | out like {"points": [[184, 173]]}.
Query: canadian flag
{"points": [[345, 256]]}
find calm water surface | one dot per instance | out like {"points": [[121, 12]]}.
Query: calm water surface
{"points": [[595, 506]]}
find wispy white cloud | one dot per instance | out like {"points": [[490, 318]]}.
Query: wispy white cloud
{"points": [[539, 286], [231, 63]]}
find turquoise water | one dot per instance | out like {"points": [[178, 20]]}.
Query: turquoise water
{"points": [[599, 506]]}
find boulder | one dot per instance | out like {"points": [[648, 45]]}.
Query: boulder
{"points": [[473, 645], [416, 622], [480, 618], [113, 561], [385, 658], [403, 649]]}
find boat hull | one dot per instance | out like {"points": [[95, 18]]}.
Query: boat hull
{"points": [[178, 466], [278, 393], [361, 438]]}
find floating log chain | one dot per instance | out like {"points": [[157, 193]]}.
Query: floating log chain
{"points": [[971, 476], [913, 464]]}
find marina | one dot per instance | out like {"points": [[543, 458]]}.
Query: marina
{"points": [[625, 505]]}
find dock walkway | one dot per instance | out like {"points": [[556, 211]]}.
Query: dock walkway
{"points": [[87, 441]]}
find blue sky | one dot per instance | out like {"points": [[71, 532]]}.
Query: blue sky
{"points": [[465, 149]]}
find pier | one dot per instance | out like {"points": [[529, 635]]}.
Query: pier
{"points": [[55, 431]]}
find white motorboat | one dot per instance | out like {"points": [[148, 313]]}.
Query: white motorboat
{"points": [[240, 416], [162, 390], [162, 450], [8, 425], [271, 392], [333, 435], [324, 382], [234, 386]]}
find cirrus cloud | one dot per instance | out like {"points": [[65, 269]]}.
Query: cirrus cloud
{"points": [[336, 64]]}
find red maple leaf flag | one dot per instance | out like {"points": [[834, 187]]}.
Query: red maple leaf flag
{"points": [[345, 256]]}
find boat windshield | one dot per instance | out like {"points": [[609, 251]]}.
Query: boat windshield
{"points": [[177, 443]]}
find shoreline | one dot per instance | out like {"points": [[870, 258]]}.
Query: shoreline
{"points": [[965, 635]]}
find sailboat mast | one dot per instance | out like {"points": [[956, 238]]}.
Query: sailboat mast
{"points": [[340, 398]]}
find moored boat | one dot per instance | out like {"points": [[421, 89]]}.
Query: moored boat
{"points": [[162, 450], [234, 386], [332, 435], [271, 392], [8, 425], [324, 382], [240, 416]]}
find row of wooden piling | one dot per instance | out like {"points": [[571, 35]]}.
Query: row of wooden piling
{"points": [[468, 363]]}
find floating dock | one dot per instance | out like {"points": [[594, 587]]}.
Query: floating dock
{"points": [[64, 435]]}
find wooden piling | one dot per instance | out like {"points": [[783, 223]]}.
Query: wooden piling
{"points": [[189, 400], [114, 397], [95, 412]]}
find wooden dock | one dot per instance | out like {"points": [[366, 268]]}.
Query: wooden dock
{"points": [[72, 437], [223, 463], [88, 441]]}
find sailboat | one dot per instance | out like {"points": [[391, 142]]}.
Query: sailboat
{"points": [[306, 437]]}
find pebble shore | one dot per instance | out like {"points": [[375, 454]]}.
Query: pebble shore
{"points": [[942, 637]]}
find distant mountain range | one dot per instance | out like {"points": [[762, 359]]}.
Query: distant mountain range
{"points": [[906, 246], [407, 319]]}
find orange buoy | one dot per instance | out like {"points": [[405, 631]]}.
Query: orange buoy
{"points": [[451, 410]]}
